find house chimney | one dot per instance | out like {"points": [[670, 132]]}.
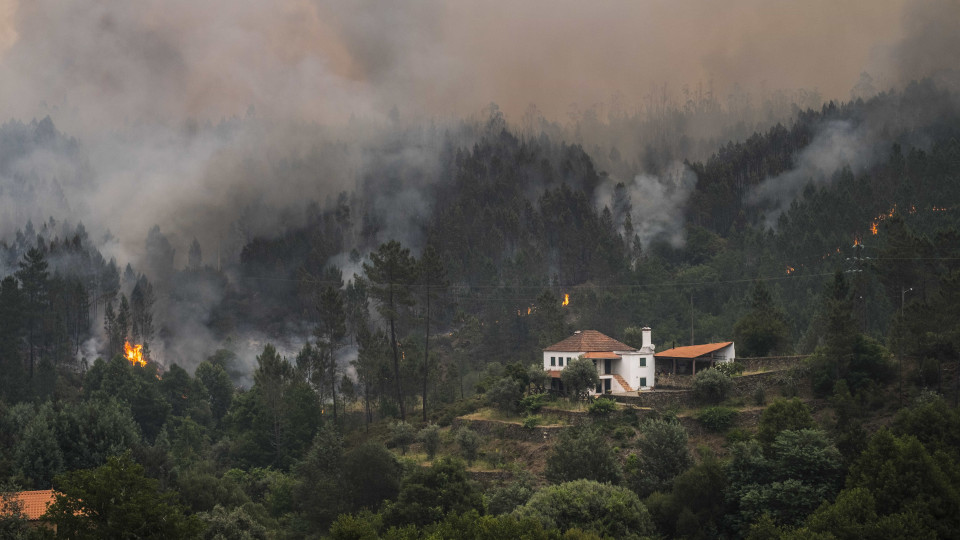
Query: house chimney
{"points": [[646, 336]]}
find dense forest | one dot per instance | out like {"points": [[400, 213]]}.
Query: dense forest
{"points": [[381, 315]]}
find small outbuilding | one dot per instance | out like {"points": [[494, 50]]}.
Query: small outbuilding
{"points": [[685, 360]]}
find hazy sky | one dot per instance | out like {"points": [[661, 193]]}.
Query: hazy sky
{"points": [[101, 61]]}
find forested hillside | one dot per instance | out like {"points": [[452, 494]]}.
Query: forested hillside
{"points": [[272, 382]]}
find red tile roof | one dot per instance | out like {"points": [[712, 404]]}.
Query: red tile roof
{"points": [[589, 341], [692, 351], [34, 503]]}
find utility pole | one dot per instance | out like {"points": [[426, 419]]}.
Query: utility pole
{"points": [[691, 318]]}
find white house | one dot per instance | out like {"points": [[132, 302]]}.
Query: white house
{"points": [[622, 368]]}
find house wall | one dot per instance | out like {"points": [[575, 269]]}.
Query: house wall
{"points": [[627, 367], [567, 356], [632, 371]]}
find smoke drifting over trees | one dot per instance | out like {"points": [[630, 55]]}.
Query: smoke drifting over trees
{"points": [[230, 124]]}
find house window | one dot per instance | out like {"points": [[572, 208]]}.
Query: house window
{"points": [[606, 366], [643, 381], [643, 361], [561, 361], [553, 360]]}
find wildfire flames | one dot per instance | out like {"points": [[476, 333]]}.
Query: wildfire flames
{"points": [[791, 270], [566, 300], [134, 354]]}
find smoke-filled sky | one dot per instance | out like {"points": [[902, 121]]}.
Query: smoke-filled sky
{"points": [[127, 77], [108, 61]]}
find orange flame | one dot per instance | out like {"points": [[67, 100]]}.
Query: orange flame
{"points": [[566, 300], [134, 354], [856, 240], [791, 270]]}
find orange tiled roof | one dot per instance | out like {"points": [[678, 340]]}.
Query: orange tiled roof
{"points": [[34, 503], [555, 373], [692, 351], [589, 341]]}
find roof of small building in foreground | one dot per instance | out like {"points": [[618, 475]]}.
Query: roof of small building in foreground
{"points": [[693, 351], [34, 503], [589, 341]]}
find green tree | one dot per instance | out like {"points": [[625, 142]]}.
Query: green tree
{"points": [[662, 455], [430, 493], [783, 414], [330, 331], [402, 435], [391, 274], [505, 394], [116, 500], [582, 453], [318, 492], [33, 278], [430, 437], [273, 380], [374, 476], [604, 509], [469, 443], [222, 524], [579, 376], [763, 329], [218, 386]]}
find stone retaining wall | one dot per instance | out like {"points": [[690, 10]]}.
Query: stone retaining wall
{"points": [[770, 363], [509, 430]]}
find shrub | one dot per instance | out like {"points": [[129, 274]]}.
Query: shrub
{"points": [[711, 386], [534, 402], [602, 406], [717, 419], [504, 393], [759, 396], [730, 368], [430, 436], [622, 433], [531, 422]]}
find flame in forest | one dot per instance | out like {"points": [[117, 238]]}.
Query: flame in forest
{"points": [[566, 300], [134, 354], [857, 241], [875, 226], [791, 270]]}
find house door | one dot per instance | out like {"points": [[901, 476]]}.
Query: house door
{"points": [[606, 367], [606, 384]]}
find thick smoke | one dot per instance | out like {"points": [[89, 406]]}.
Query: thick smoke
{"points": [[836, 145], [658, 203], [222, 120]]}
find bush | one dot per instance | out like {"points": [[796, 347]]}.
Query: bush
{"points": [[579, 377], [534, 402], [505, 394], [759, 396], [622, 433], [469, 443], [717, 419], [663, 454], [602, 406], [531, 422], [430, 436], [729, 368], [711, 386]]}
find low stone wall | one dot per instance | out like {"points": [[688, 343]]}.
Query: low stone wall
{"points": [[669, 381], [770, 363], [509, 430], [659, 399], [745, 385]]}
